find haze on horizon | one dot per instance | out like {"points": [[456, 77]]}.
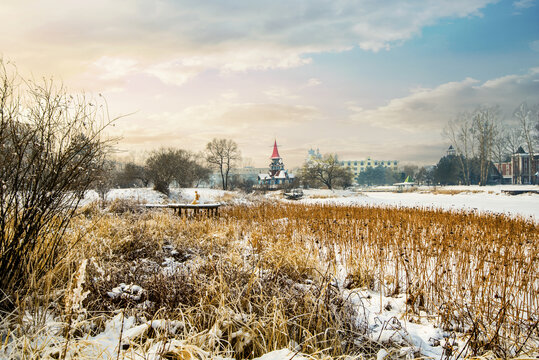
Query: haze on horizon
{"points": [[358, 78]]}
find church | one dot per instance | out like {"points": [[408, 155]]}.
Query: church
{"points": [[277, 176]]}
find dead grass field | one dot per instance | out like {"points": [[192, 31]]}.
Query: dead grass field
{"points": [[263, 277]]}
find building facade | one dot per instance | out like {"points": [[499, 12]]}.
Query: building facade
{"points": [[522, 169], [277, 176], [358, 166]]}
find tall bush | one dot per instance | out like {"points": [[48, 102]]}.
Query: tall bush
{"points": [[167, 165], [51, 148]]}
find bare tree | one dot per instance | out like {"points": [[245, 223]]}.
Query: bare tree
{"points": [[513, 139], [473, 134], [424, 176], [222, 155], [410, 170], [526, 117], [132, 175], [51, 148], [499, 147], [327, 171], [167, 165], [104, 180], [485, 130], [461, 133]]}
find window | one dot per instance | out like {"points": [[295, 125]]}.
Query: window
{"points": [[355, 163]]}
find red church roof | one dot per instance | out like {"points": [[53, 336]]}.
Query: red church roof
{"points": [[275, 154]]}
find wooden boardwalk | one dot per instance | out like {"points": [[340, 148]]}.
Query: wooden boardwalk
{"points": [[185, 209]]}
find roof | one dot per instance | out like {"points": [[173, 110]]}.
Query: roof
{"points": [[275, 154], [520, 150], [281, 175]]}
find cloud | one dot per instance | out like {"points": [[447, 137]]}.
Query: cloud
{"points": [[280, 93], [217, 118], [225, 114], [314, 82], [114, 68], [534, 45], [430, 109], [523, 4], [229, 95], [174, 72], [176, 40]]}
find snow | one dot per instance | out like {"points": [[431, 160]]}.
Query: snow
{"points": [[150, 196], [283, 354], [481, 199], [389, 325], [384, 316], [132, 292]]}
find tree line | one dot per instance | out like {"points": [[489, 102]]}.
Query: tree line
{"points": [[166, 166], [483, 137]]}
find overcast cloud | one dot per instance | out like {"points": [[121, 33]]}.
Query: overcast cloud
{"points": [[359, 78]]}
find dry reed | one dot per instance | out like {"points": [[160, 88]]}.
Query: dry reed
{"points": [[262, 277]]}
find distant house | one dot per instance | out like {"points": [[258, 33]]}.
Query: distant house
{"points": [[277, 176], [521, 169]]}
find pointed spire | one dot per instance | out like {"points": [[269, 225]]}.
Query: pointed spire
{"points": [[275, 154]]}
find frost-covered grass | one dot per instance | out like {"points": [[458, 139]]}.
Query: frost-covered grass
{"points": [[282, 280]]}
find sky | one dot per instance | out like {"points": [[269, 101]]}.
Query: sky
{"points": [[357, 78]]}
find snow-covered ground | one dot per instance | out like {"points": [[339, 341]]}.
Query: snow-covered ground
{"points": [[150, 196], [486, 199], [383, 314], [473, 198]]}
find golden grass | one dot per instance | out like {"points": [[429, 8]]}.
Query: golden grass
{"points": [[259, 278]]}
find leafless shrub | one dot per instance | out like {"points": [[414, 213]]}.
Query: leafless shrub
{"points": [[51, 147]]}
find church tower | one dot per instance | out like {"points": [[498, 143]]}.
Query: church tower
{"points": [[277, 176], [276, 164]]}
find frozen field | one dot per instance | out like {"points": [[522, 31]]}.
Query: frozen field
{"points": [[488, 199], [473, 198]]}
